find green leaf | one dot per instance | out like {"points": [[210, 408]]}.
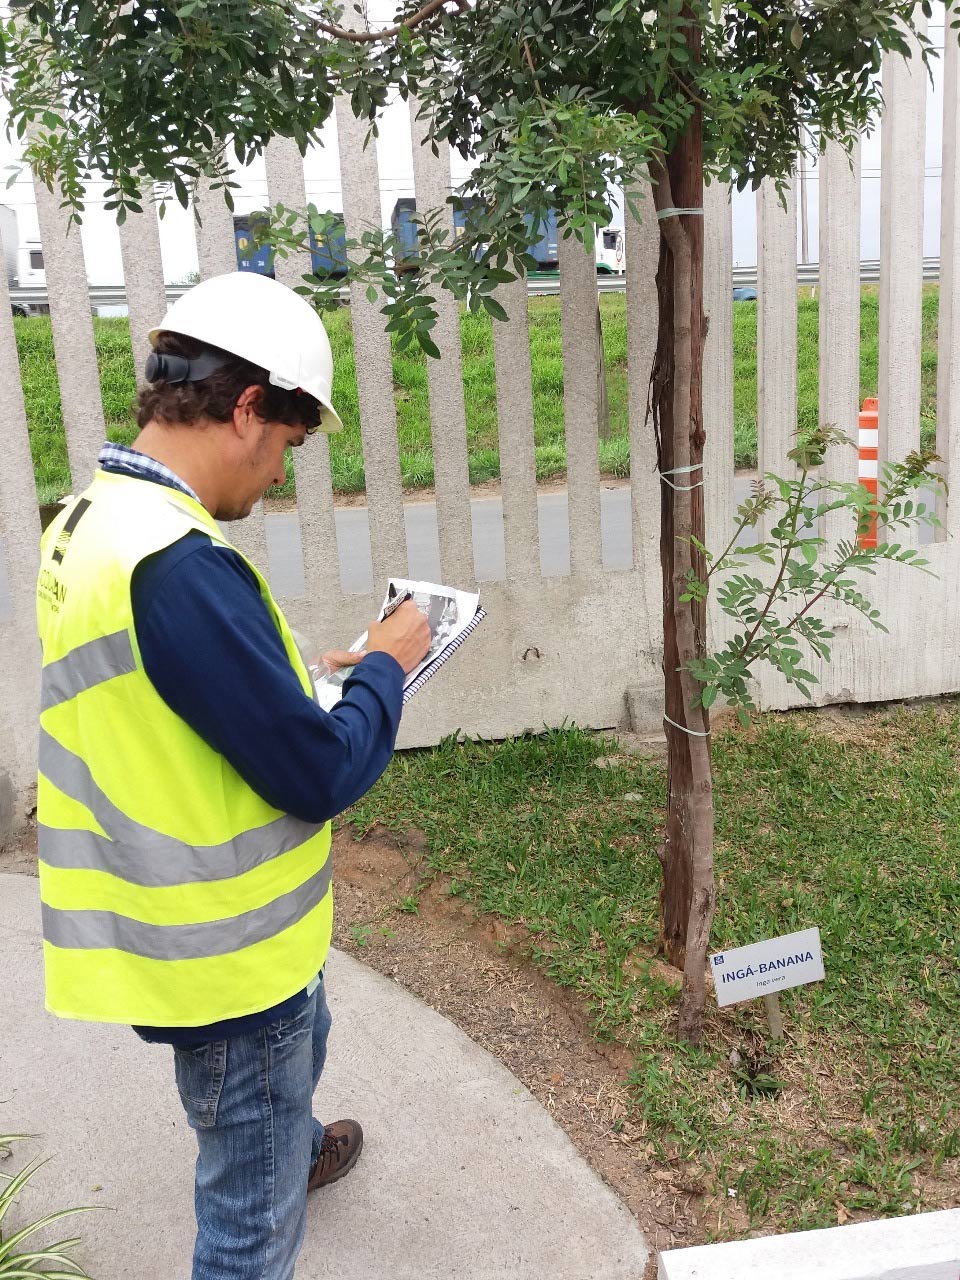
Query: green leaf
{"points": [[494, 308], [709, 696]]}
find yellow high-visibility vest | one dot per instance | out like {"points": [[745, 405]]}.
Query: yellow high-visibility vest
{"points": [[172, 894]]}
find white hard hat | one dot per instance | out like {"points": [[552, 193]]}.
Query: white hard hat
{"points": [[262, 321]]}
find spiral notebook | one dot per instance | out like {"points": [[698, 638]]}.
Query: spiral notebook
{"points": [[453, 616]]}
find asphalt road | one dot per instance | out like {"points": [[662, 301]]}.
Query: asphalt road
{"points": [[420, 518], [356, 575]]}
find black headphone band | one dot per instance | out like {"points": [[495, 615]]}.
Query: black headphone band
{"points": [[164, 367]]}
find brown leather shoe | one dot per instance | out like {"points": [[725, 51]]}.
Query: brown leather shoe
{"points": [[342, 1144]]}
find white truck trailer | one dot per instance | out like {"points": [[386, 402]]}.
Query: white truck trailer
{"points": [[23, 263]]}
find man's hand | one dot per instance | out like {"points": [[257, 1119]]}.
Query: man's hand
{"points": [[405, 635], [336, 659]]}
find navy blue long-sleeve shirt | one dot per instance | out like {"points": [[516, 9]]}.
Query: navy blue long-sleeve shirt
{"points": [[213, 653]]}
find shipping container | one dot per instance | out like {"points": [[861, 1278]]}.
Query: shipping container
{"points": [[328, 255], [543, 249], [405, 231], [250, 255], [329, 252]]}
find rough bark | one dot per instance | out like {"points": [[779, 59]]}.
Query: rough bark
{"points": [[688, 893]]}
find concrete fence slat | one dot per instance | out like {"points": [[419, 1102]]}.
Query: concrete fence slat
{"points": [[217, 255], [374, 363], [285, 185], [642, 250], [213, 227], [948, 366], [142, 277], [73, 342], [317, 533], [317, 528], [776, 328], [718, 449], [448, 419], [581, 401], [518, 461], [249, 536], [902, 132], [839, 313], [19, 561], [718, 366]]}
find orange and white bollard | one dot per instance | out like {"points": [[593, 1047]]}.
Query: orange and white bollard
{"points": [[868, 470]]}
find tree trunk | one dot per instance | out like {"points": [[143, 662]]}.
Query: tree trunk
{"points": [[688, 894]]}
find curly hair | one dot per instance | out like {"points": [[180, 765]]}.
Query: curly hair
{"points": [[185, 403]]}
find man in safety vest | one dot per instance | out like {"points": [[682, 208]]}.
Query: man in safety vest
{"points": [[187, 776]]}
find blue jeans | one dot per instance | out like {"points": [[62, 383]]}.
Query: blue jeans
{"points": [[250, 1100]]}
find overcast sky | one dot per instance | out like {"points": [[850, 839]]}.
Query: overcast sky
{"points": [[322, 173]]}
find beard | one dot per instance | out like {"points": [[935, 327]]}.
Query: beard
{"points": [[252, 485], [234, 511]]}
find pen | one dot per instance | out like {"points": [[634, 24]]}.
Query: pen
{"points": [[395, 604]]}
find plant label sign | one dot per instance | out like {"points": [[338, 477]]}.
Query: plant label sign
{"points": [[764, 968]]}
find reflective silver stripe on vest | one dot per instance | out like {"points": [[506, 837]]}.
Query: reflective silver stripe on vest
{"points": [[137, 853], [94, 930], [88, 665]]}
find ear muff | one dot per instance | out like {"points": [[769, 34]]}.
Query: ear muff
{"points": [[166, 368], [161, 367]]}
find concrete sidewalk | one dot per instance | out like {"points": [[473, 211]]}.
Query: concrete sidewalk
{"points": [[464, 1176]]}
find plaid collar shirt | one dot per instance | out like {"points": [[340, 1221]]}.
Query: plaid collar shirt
{"points": [[129, 462]]}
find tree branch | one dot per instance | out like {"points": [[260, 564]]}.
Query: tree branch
{"points": [[551, 124], [729, 547], [792, 542], [828, 587], [369, 37]]}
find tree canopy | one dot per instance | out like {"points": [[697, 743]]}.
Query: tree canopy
{"points": [[556, 99]]}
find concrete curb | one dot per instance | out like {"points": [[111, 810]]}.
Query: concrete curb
{"points": [[923, 1247]]}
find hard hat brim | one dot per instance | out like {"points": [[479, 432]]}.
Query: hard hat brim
{"points": [[330, 421]]}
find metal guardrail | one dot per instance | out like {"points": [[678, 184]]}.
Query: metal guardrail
{"points": [[808, 275]]}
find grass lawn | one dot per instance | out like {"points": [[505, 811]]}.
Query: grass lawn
{"points": [[35, 345], [850, 825]]}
